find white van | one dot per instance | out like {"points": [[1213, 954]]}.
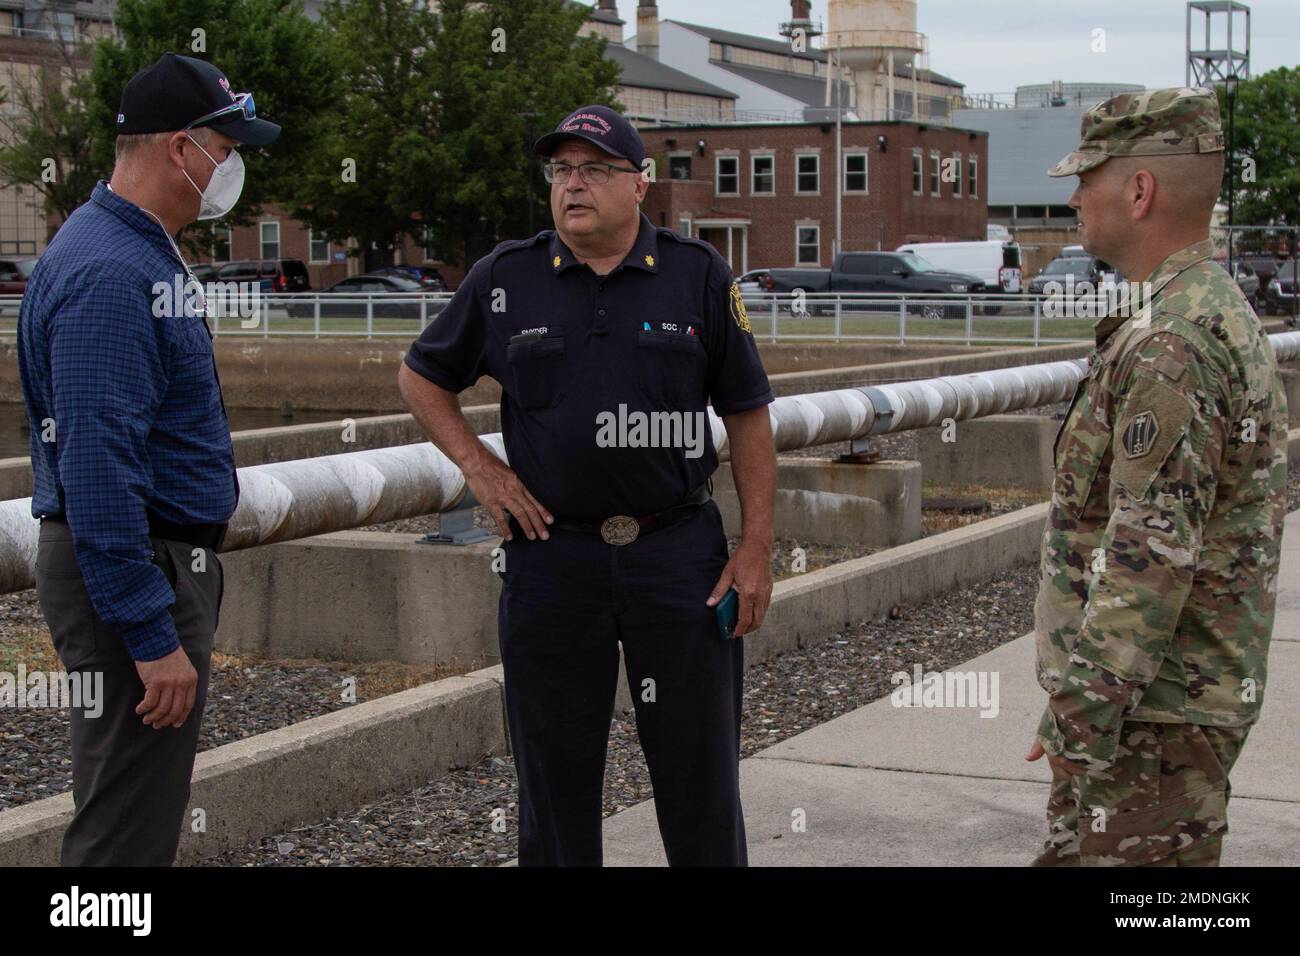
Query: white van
{"points": [[994, 262]]}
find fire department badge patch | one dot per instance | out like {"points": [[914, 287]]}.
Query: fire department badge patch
{"points": [[738, 308]]}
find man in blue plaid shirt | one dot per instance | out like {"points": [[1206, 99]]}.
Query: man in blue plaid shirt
{"points": [[131, 453]]}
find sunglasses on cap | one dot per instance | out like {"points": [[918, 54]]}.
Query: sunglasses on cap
{"points": [[243, 104]]}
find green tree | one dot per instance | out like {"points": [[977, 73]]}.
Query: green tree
{"points": [[496, 75], [48, 132], [268, 47], [1266, 134], [344, 190]]}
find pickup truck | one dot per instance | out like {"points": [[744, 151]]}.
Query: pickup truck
{"points": [[897, 272]]}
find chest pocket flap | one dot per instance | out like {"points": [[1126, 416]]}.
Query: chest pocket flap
{"points": [[536, 370]]}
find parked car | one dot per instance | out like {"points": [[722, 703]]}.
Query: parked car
{"points": [[1265, 266], [427, 276], [1082, 269], [1247, 281], [756, 288], [995, 263], [204, 272], [881, 272], [274, 275], [1280, 293], [14, 274], [359, 287]]}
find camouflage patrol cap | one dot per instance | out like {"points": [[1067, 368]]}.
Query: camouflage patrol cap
{"points": [[1150, 123]]}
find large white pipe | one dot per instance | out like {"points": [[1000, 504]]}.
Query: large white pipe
{"points": [[298, 499]]}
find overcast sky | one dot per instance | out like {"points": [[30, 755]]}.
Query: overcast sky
{"points": [[993, 46]]}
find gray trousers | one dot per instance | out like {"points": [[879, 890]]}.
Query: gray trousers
{"points": [[130, 783]]}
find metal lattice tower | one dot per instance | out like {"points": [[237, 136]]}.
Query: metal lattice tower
{"points": [[1210, 66]]}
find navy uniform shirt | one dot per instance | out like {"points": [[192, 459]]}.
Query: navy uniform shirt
{"points": [[665, 331]]}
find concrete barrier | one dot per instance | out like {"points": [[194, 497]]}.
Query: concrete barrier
{"points": [[827, 502], [367, 595], [364, 596], [1000, 451]]}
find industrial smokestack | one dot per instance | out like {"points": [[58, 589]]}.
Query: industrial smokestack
{"points": [[800, 10], [647, 29]]}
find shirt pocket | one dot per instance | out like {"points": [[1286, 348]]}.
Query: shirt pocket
{"points": [[670, 366], [536, 371], [1080, 448], [192, 379]]}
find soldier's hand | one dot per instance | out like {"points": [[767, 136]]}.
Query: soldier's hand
{"points": [[1059, 767], [170, 686], [498, 489], [749, 571]]}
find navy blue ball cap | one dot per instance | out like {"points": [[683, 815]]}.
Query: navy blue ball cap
{"points": [[178, 92], [600, 126]]}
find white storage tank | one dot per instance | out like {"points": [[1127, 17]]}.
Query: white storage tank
{"points": [[873, 39]]}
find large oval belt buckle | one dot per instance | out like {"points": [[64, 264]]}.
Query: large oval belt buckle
{"points": [[620, 529]]}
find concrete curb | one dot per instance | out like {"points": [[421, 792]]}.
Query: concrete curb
{"points": [[305, 772]]}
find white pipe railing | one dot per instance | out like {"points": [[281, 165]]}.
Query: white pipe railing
{"points": [[297, 499]]}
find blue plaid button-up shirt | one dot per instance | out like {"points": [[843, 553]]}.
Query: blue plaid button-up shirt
{"points": [[124, 407]]}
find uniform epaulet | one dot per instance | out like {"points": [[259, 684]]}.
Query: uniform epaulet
{"points": [[663, 232], [510, 245]]}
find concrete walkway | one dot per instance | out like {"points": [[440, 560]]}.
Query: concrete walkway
{"points": [[889, 786]]}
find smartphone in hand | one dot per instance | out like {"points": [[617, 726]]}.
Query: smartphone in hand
{"points": [[728, 612]]}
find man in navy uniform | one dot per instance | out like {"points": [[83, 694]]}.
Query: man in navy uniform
{"points": [[609, 338]]}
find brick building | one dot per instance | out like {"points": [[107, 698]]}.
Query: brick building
{"points": [[764, 196]]}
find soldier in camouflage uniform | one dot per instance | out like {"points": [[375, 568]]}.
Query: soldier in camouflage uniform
{"points": [[1160, 556]]}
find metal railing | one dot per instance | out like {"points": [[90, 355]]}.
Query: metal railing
{"points": [[962, 319]]}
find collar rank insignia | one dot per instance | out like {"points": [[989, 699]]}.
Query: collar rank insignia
{"points": [[650, 261], [1140, 434], [556, 262]]}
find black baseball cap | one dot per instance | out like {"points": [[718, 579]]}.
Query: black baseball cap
{"points": [[600, 126], [174, 92]]}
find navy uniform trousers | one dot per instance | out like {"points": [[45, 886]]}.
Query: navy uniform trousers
{"points": [[565, 605]]}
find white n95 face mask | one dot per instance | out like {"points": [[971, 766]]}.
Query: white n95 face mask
{"points": [[224, 187]]}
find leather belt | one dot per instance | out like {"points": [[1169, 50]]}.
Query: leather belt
{"points": [[624, 529], [199, 535]]}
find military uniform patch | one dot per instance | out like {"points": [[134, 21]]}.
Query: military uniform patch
{"points": [[1140, 434], [1144, 438], [738, 308]]}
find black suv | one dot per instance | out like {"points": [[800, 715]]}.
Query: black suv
{"points": [[274, 275]]}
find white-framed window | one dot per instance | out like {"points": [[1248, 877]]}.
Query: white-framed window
{"points": [[221, 243], [269, 237], [807, 244], [934, 172], [855, 172], [807, 173], [684, 227], [957, 174], [762, 175], [426, 244], [917, 172], [728, 176], [318, 246], [973, 171]]}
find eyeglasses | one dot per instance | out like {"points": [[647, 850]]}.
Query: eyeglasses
{"points": [[593, 174], [243, 104]]}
